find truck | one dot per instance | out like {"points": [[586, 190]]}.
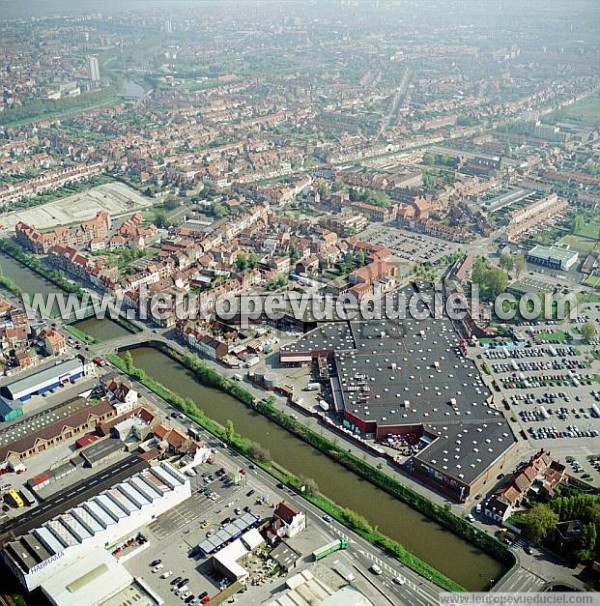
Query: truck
{"points": [[323, 552], [324, 406], [28, 497], [344, 571], [252, 361], [544, 412], [14, 497], [313, 386]]}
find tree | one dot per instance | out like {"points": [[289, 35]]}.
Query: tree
{"points": [[260, 453], [540, 521], [253, 260], [586, 543], [323, 190], [588, 331], [309, 485], [507, 261], [428, 180], [491, 280], [241, 261], [128, 359], [357, 521], [160, 218], [229, 430], [362, 261], [519, 264]]}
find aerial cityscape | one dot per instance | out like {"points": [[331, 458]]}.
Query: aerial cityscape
{"points": [[299, 302]]}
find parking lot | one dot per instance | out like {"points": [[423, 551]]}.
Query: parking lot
{"points": [[407, 245], [173, 565], [549, 383]]}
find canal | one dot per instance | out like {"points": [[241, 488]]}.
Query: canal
{"points": [[31, 283], [28, 281], [102, 330], [441, 548]]}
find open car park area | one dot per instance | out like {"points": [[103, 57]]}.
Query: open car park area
{"points": [[549, 388], [407, 245]]}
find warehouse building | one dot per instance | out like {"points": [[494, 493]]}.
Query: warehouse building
{"points": [[115, 514], [229, 533], [49, 428], [47, 379], [9, 410], [228, 561], [102, 451], [553, 257], [408, 378], [91, 580]]}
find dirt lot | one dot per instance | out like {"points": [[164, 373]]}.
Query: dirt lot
{"points": [[116, 198]]}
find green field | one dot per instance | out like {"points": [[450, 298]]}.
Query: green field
{"points": [[588, 297], [593, 281], [553, 336], [584, 245], [590, 226], [586, 112]]}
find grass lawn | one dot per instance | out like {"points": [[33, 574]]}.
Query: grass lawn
{"points": [[586, 111], [553, 336], [593, 281], [588, 297], [579, 243]]}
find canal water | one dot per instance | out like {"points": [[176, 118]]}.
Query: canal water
{"points": [[27, 280], [450, 554], [31, 283], [102, 330]]}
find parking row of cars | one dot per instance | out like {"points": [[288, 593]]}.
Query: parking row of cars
{"points": [[505, 353], [519, 381], [539, 365], [179, 585], [576, 466], [411, 247], [571, 431]]}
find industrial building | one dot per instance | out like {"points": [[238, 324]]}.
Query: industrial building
{"points": [[407, 377], [115, 514], [228, 533], [304, 589], [91, 580], [49, 428], [228, 561], [10, 410], [47, 379], [553, 257]]}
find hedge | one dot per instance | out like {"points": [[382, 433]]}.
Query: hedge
{"points": [[79, 334]]}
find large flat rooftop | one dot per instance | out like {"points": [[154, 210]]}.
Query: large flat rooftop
{"points": [[409, 371]]}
